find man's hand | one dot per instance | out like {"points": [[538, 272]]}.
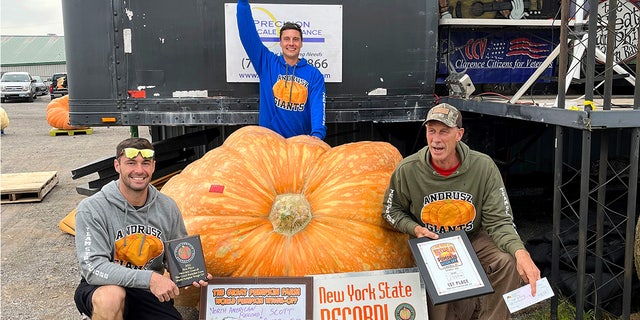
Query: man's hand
{"points": [[202, 283], [162, 287], [527, 269], [422, 232]]}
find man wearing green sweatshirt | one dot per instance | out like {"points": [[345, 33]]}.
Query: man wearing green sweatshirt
{"points": [[467, 188]]}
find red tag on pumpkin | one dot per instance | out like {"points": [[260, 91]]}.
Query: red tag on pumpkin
{"points": [[216, 188]]}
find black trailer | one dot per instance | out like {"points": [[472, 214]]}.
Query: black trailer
{"points": [[116, 47]]}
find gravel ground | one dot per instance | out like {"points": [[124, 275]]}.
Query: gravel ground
{"points": [[39, 270]]}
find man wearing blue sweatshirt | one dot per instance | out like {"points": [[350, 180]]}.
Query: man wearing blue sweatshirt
{"points": [[292, 92]]}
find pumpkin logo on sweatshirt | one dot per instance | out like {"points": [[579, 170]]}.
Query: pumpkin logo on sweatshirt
{"points": [[448, 211], [290, 93], [138, 249]]}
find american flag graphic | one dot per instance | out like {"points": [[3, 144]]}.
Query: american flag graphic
{"points": [[526, 47], [476, 49]]}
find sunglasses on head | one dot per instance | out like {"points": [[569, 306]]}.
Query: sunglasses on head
{"points": [[132, 153]]}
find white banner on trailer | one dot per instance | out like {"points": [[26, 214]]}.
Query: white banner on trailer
{"points": [[322, 37]]}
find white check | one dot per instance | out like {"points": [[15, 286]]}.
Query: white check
{"points": [[521, 298]]}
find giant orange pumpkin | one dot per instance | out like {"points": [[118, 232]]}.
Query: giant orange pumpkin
{"points": [[268, 206], [58, 114]]}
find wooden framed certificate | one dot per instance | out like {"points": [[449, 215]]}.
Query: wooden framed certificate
{"points": [[450, 267]]}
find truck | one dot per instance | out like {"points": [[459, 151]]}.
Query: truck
{"points": [[18, 85], [58, 85]]}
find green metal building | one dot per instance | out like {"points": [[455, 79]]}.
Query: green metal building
{"points": [[39, 55]]}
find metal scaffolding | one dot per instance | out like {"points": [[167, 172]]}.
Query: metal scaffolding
{"points": [[595, 195], [610, 220]]}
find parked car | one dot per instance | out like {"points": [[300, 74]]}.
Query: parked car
{"points": [[41, 87], [17, 85], [58, 85]]}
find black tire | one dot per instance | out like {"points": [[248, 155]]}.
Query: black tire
{"points": [[53, 97]]}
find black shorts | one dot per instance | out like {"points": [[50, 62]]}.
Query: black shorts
{"points": [[138, 304]]}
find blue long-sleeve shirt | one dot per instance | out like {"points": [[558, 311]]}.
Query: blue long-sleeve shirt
{"points": [[292, 98]]}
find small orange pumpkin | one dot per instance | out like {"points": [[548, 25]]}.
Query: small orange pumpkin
{"points": [[269, 206], [58, 114]]}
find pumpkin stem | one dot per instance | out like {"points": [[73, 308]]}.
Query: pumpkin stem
{"points": [[290, 213]]}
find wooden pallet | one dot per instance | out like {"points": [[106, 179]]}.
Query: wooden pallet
{"points": [[60, 132], [27, 186]]}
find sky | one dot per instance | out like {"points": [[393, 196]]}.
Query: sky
{"points": [[31, 17]]}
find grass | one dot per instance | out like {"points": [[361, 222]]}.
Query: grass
{"points": [[566, 311]]}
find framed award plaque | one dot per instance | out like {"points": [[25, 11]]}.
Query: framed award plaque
{"points": [[450, 267], [185, 260]]}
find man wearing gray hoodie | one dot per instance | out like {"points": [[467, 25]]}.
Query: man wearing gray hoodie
{"points": [[120, 233]]}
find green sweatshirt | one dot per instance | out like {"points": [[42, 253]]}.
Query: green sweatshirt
{"points": [[470, 199]]}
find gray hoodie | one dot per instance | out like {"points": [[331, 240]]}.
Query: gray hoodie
{"points": [[120, 245]]}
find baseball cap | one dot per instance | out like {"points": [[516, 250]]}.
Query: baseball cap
{"points": [[446, 114]]}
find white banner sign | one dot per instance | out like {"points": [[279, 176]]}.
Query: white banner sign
{"points": [[381, 295], [322, 37], [265, 299]]}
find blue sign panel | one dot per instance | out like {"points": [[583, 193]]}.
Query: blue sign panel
{"points": [[496, 56]]}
